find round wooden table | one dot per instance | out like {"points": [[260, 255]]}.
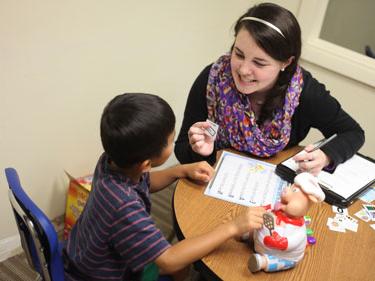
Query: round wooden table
{"points": [[335, 256]]}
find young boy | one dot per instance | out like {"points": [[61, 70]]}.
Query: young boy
{"points": [[115, 237]]}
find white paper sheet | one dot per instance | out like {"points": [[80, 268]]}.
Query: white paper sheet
{"points": [[245, 181], [348, 178]]}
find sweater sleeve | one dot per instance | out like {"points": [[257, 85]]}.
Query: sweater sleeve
{"points": [[326, 114], [195, 111]]}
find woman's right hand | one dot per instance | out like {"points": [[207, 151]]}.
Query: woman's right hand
{"points": [[201, 142]]}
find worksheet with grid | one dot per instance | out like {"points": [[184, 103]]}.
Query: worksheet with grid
{"points": [[246, 181]]}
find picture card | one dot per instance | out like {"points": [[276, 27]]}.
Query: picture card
{"points": [[347, 222], [370, 210], [369, 195], [335, 225], [363, 215], [212, 130]]}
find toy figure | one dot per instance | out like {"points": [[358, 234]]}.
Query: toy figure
{"points": [[281, 242]]}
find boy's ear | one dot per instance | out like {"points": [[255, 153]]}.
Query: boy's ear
{"points": [[145, 166]]}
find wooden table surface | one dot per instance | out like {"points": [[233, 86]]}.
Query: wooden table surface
{"points": [[335, 256]]}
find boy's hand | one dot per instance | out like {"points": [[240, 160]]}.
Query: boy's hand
{"points": [[250, 220], [200, 171]]}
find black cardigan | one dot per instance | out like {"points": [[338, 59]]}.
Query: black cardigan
{"points": [[316, 109]]}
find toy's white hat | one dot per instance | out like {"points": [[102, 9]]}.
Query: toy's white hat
{"points": [[309, 184]]}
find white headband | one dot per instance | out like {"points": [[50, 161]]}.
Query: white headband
{"points": [[266, 23]]}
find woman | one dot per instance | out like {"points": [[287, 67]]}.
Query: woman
{"points": [[263, 101]]}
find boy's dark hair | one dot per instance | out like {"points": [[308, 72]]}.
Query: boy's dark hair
{"points": [[135, 127]]}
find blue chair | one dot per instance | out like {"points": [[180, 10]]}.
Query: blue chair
{"points": [[38, 236]]}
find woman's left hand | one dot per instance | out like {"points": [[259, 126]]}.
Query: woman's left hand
{"points": [[312, 161]]}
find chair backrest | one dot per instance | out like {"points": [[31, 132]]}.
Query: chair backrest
{"points": [[38, 236]]}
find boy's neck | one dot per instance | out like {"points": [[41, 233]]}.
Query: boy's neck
{"points": [[134, 172]]}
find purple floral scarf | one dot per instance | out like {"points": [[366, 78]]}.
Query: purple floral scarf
{"points": [[231, 110]]}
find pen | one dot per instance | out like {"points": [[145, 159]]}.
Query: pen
{"points": [[323, 142]]}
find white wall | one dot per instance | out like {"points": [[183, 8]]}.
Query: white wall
{"points": [[356, 98], [62, 61]]}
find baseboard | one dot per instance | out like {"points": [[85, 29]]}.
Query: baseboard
{"points": [[10, 247]]}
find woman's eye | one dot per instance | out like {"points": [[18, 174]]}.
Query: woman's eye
{"points": [[295, 189], [259, 64], [241, 56]]}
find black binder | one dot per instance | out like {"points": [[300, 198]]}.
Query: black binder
{"points": [[365, 175]]}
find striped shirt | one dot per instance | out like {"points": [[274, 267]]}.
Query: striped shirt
{"points": [[115, 237]]}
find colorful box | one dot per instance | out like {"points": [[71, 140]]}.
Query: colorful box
{"points": [[78, 192]]}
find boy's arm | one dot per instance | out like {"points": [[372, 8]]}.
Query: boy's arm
{"points": [[190, 250], [201, 171]]}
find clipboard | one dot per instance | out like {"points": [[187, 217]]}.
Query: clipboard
{"points": [[344, 185]]}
